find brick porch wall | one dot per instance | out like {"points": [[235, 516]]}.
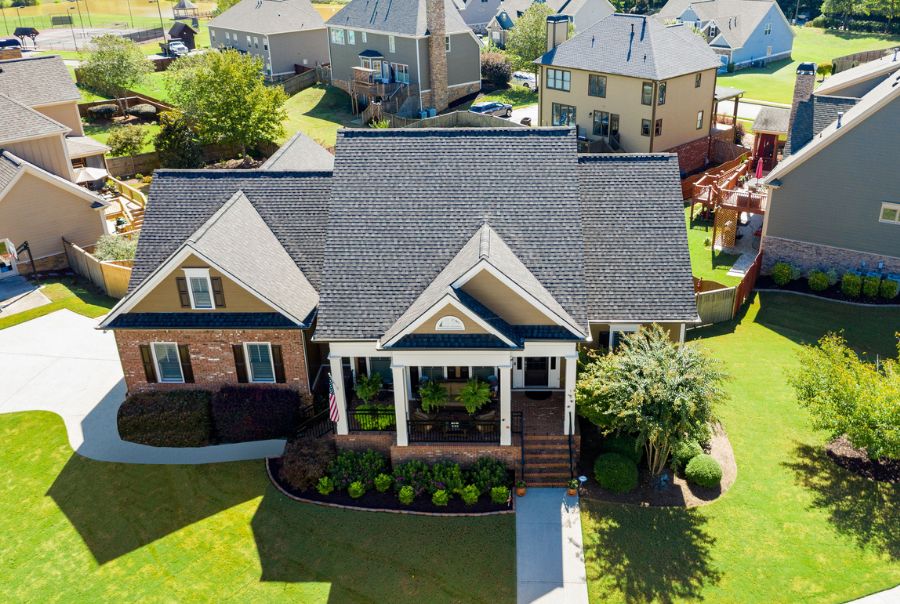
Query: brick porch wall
{"points": [[463, 454], [808, 256], [212, 358], [360, 441]]}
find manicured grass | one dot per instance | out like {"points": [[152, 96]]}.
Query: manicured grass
{"points": [[77, 530], [319, 112], [794, 527], [705, 263], [515, 95], [101, 131], [63, 293], [154, 85], [775, 83]]}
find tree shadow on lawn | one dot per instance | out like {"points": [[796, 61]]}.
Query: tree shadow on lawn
{"points": [[649, 554], [866, 510], [334, 106]]}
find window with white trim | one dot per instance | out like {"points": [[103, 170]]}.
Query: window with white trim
{"points": [[890, 213], [199, 288], [392, 44], [212, 33], [167, 362], [227, 35], [259, 362], [351, 36], [699, 119], [450, 323], [768, 29], [447, 43], [698, 79], [617, 332], [337, 36], [364, 40]]}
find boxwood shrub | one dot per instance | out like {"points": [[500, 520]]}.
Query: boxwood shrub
{"points": [[305, 461], [704, 471], [143, 111], [486, 474], [851, 285], [782, 273], [171, 418], [818, 281], [356, 466], [870, 286], [242, 413], [616, 472], [683, 452], [889, 289], [623, 444], [102, 112]]}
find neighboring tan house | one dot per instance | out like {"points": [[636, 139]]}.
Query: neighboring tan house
{"points": [[410, 54], [581, 13], [283, 34], [743, 33], [834, 203], [451, 268], [477, 13], [630, 83]]}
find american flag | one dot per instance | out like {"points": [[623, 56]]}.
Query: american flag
{"points": [[333, 412]]}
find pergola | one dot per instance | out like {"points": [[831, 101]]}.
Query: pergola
{"points": [[185, 9], [723, 93], [26, 32]]}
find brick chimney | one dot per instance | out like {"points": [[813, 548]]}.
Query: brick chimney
{"points": [[557, 30], [437, 52]]}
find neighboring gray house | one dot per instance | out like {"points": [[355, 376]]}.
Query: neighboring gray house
{"points": [[282, 33], [835, 202], [583, 14], [742, 32], [410, 54], [477, 13]]}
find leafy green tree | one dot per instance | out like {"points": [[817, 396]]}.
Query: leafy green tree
{"points": [[224, 97], [224, 5], [126, 140], [847, 396], [114, 65], [474, 395], [115, 247], [367, 387], [528, 39], [658, 390], [177, 143], [844, 9]]}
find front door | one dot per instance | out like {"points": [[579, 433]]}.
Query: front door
{"points": [[537, 371]]}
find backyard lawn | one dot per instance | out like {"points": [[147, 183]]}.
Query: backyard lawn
{"points": [[794, 527], [79, 298], [319, 112], [775, 83], [706, 264], [100, 132], [77, 530], [517, 96]]}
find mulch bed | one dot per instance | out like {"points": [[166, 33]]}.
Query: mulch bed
{"points": [[857, 461], [832, 293], [373, 500]]}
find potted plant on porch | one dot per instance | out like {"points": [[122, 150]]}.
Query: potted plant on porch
{"points": [[367, 387], [520, 488], [434, 396], [474, 395], [572, 487]]}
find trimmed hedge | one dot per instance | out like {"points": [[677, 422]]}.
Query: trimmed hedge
{"points": [[624, 445], [143, 111], [683, 453], [818, 281], [305, 460], [782, 273], [243, 413], [171, 418], [616, 472], [870, 286], [704, 471], [102, 112], [889, 289], [851, 285]]}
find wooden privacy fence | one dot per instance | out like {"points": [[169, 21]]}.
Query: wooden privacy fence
{"points": [[111, 277], [717, 303]]}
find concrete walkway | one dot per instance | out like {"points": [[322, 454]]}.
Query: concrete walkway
{"points": [[61, 363], [549, 549], [888, 596]]}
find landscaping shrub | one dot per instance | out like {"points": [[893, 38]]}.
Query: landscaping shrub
{"points": [[378, 420], [383, 482], [126, 140], [470, 494], [889, 289], [304, 461], [496, 68], [704, 471], [486, 474], [851, 285], [143, 111], [500, 495], [782, 273], [623, 444], [414, 474], [817, 281], [406, 495], [112, 247], [446, 475], [870, 286], [356, 466], [356, 489], [102, 112], [243, 413], [833, 277], [440, 498], [616, 472], [173, 418], [683, 452], [325, 486]]}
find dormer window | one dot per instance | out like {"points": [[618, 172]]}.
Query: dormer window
{"points": [[199, 288], [450, 323]]}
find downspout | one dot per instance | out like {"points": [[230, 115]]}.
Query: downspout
{"points": [[653, 115], [712, 117], [419, 73]]}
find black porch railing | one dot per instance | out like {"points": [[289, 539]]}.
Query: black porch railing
{"points": [[454, 431], [369, 420], [316, 425]]}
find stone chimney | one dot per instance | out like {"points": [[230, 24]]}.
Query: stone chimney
{"points": [[803, 87], [436, 20], [557, 30]]}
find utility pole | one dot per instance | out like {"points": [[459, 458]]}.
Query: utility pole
{"points": [[130, 15], [796, 12], [81, 18], [161, 24], [88, 10], [72, 29]]}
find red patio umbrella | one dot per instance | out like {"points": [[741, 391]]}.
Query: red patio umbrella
{"points": [[759, 169]]}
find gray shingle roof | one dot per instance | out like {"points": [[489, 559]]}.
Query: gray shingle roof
{"points": [[772, 119], [813, 116], [205, 320], [292, 204], [19, 122], [9, 167], [736, 19], [635, 46], [300, 153], [404, 17], [636, 261], [270, 16], [37, 81]]}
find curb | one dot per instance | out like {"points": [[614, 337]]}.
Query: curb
{"points": [[861, 304]]}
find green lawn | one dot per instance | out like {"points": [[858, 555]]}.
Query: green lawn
{"points": [[77, 530], [517, 96], [706, 264], [80, 298], [776, 82], [100, 132], [154, 85], [319, 112], [794, 527]]}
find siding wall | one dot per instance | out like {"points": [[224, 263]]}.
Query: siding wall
{"points": [[48, 153], [430, 326], [464, 60], [308, 48], [66, 114], [508, 305], [781, 39]]}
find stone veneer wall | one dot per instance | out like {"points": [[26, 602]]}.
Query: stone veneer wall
{"points": [[810, 256], [56, 262], [437, 53], [212, 359]]}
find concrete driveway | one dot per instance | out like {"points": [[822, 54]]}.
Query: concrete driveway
{"points": [[61, 363]]}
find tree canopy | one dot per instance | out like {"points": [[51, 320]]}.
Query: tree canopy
{"points": [[528, 39], [114, 65], [658, 390]]}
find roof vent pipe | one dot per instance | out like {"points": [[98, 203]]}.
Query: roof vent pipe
{"points": [[895, 54], [840, 118], [643, 28]]}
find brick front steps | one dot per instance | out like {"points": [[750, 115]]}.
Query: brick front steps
{"points": [[547, 460]]}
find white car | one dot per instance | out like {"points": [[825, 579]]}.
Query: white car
{"points": [[525, 78]]}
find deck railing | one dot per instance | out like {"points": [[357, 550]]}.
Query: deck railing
{"points": [[371, 420], [129, 192], [454, 431]]}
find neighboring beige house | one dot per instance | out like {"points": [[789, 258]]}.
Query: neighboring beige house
{"points": [[630, 83], [582, 14], [281, 33]]}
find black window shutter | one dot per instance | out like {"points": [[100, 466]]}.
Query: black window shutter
{"points": [[240, 364], [183, 292], [218, 293], [187, 370], [278, 363], [147, 359]]}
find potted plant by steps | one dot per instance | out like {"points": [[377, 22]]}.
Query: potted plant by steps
{"points": [[520, 488], [573, 487]]}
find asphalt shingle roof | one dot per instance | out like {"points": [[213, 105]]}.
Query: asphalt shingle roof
{"points": [[9, 167], [300, 153], [204, 320], [270, 16], [37, 81], [404, 17], [772, 119], [19, 122], [635, 46], [636, 261]]}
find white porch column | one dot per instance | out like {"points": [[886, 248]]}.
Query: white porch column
{"points": [[401, 404], [505, 405], [569, 416], [337, 378]]}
